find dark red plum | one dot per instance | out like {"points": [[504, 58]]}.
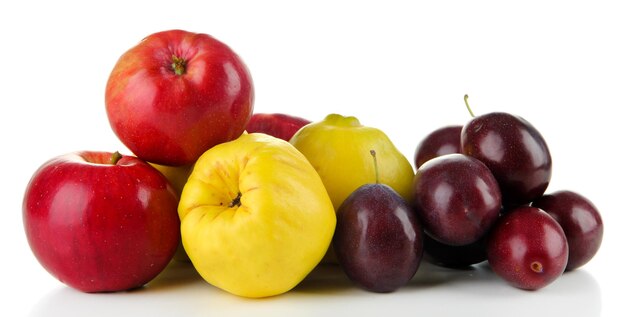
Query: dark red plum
{"points": [[456, 198], [514, 151], [452, 256], [378, 239], [527, 248], [446, 140], [580, 221]]}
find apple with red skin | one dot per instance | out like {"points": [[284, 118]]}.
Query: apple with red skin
{"points": [[101, 222], [176, 94], [280, 125]]}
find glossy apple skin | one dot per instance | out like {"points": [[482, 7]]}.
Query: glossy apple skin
{"points": [[527, 248], [446, 140], [456, 198], [171, 119], [99, 227], [580, 221], [280, 125], [378, 239], [514, 151]]}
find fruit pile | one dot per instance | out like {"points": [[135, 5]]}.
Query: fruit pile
{"points": [[257, 201]]}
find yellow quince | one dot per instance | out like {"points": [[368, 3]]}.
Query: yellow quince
{"points": [[339, 149], [177, 175], [255, 216]]}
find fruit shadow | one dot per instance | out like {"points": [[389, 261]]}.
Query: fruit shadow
{"points": [[326, 278], [176, 274], [430, 275], [176, 278], [329, 278]]}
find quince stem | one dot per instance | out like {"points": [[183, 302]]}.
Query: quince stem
{"points": [[236, 202], [373, 153]]}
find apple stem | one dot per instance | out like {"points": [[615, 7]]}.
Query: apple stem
{"points": [[115, 157], [373, 153], [179, 65], [468, 107]]}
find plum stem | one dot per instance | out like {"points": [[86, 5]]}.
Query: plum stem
{"points": [[179, 65], [115, 157], [373, 153], [468, 106]]}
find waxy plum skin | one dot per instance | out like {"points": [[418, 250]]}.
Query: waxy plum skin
{"points": [[581, 222], [445, 140], [378, 240], [527, 248], [514, 151], [456, 198]]}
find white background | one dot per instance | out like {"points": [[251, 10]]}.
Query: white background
{"points": [[399, 66]]}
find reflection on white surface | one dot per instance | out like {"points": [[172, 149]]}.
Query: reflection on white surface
{"points": [[434, 291]]}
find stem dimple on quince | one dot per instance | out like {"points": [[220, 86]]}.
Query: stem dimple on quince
{"points": [[236, 202]]}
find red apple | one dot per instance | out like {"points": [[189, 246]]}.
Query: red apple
{"points": [[278, 125], [101, 222], [176, 94]]}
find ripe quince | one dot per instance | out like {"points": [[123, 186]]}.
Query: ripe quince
{"points": [[255, 216], [177, 176], [339, 149]]}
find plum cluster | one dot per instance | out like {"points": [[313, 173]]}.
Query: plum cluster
{"points": [[479, 192], [478, 195]]}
